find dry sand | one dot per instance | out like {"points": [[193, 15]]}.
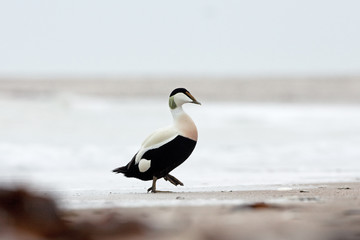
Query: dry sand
{"points": [[326, 211], [333, 89]]}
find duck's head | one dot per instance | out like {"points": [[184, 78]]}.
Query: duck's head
{"points": [[179, 96]]}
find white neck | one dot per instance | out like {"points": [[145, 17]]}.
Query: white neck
{"points": [[184, 124]]}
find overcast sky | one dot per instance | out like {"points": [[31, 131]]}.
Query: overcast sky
{"points": [[187, 37]]}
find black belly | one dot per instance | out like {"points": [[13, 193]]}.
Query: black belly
{"points": [[164, 159]]}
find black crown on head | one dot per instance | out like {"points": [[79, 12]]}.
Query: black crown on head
{"points": [[178, 90]]}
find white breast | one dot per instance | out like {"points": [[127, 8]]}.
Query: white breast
{"points": [[184, 124], [186, 127]]}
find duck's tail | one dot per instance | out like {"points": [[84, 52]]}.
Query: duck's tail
{"points": [[123, 170], [126, 170]]}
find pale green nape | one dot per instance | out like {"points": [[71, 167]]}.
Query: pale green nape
{"points": [[172, 103]]}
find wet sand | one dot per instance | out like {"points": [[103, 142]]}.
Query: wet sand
{"points": [[318, 211]]}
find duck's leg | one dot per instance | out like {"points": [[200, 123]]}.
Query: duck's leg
{"points": [[153, 186], [173, 180], [152, 189]]}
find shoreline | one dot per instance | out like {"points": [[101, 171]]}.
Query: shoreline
{"points": [[77, 200], [217, 198]]}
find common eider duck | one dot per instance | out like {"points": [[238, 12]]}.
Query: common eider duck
{"points": [[166, 148]]}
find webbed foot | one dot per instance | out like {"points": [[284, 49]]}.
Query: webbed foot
{"points": [[173, 180]]}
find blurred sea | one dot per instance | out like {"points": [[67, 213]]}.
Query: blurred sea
{"points": [[69, 143]]}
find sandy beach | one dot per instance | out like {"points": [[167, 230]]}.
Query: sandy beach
{"points": [[326, 211], [316, 211]]}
